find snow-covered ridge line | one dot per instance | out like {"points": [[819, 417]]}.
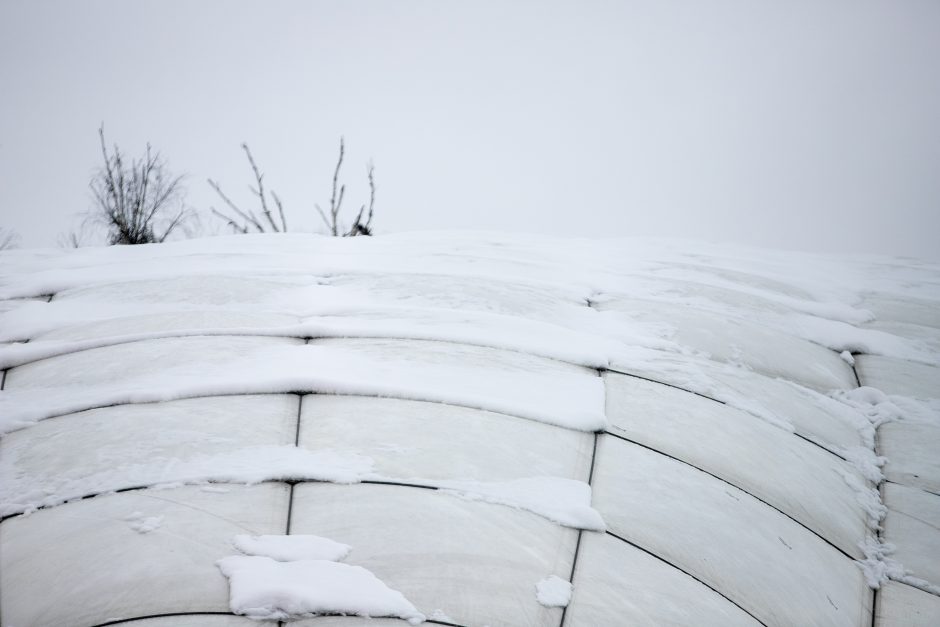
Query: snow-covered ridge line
{"points": [[571, 400], [524, 336], [566, 502]]}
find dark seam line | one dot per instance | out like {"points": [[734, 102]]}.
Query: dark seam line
{"points": [[682, 570], [671, 385], [799, 435], [817, 444], [289, 482], [912, 586], [397, 483], [774, 507], [881, 497], [874, 592], [290, 508], [308, 338], [165, 615], [858, 381], [290, 501], [170, 614], [5, 370], [577, 546], [164, 337], [912, 487], [300, 405], [226, 395]]}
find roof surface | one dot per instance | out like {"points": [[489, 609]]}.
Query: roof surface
{"points": [[688, 433]]}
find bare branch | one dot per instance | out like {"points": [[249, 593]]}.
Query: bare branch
{"points": [[131, 201], [280, 210], [248, 217], [326, 220], [358, 227], [334, 203], [250, 220], [238, 228], [260, 191], [8, 238]]}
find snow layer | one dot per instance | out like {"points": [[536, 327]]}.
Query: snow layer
{"points": [[264, 589], [292, 547], [769, 333], [144, 524], [575, 402], [564, 501], [553, 591], [247, 465]]}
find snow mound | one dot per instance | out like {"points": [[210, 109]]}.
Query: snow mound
{"points": [[264, 589]]}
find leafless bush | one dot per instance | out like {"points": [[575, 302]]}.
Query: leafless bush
{"points": [[331, 221], [8, 238], [246, 221], [140, 203]]}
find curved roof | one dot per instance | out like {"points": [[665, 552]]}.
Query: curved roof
{"points": [[501, 430]]}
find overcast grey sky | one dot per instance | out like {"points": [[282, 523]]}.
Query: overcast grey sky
{"points": [[794, 124]]}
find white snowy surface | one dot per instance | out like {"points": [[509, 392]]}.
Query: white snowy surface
{"points": [[248, 465], [471, 363], [618, 584], [899, 604], [82, 564], [912, 527], [409, 440], [475, 560], [913, 453], [553, 591], [705, 526], [564, 501], [94, 378], [265, 589], [291, 548], [743, 343], [802, 480], [898, 377], [143, 524]]}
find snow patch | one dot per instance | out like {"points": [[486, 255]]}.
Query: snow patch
{"points": [[264, 589], [879, 567], [841, 336], [143, 524], [563, 501], [249, 465], [553, 591], [570, 400], [291, 547], [868, 498]]}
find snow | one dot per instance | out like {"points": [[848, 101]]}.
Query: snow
{"points": [[264, 589], [564, 501], [879, 567], [518, 326], [291, 548], [553, 591], [575, 402], [248, 465], [143, 524]]}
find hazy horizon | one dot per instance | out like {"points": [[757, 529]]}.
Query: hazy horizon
{"points": [[804, 125]]}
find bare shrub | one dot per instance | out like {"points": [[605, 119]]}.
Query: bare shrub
{"points": [[8, 238], [331, 221], [247, 221], [140, 203]]}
